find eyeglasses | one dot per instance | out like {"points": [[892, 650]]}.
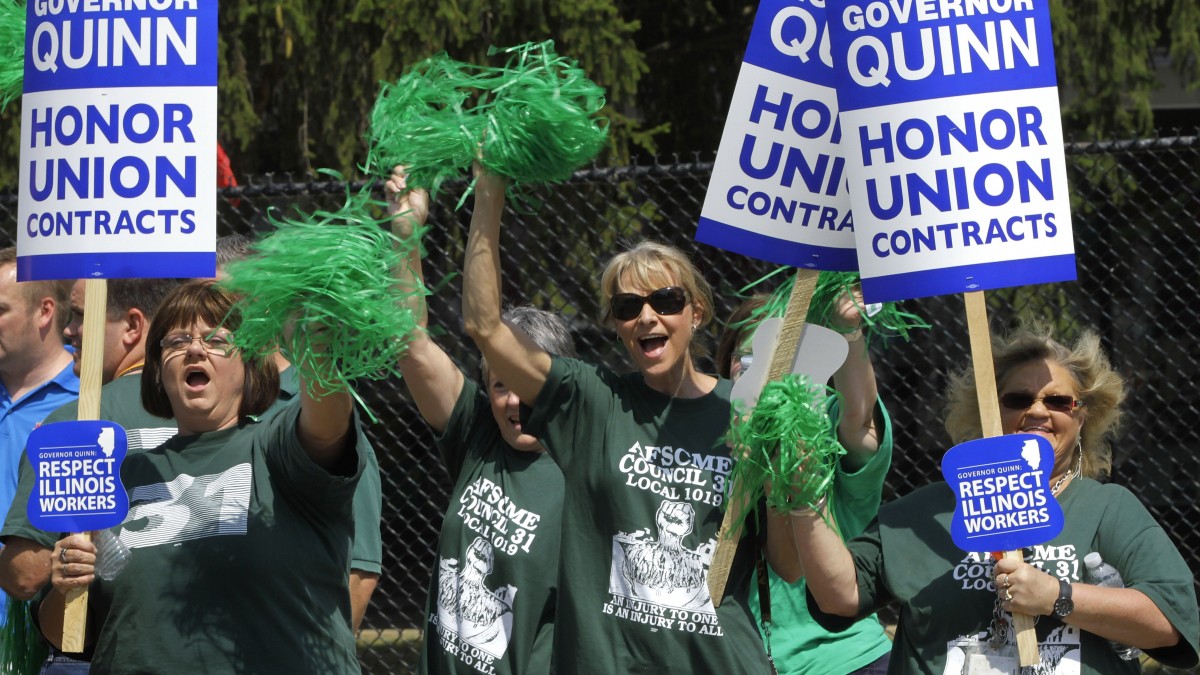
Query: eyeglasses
{"points": [[669, 300], [214, 343], [1056, 402]]}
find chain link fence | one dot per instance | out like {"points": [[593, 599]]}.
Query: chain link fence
{"points": [[1136, 206]]}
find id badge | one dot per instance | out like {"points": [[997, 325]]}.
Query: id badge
{"points": [[982, 657]]}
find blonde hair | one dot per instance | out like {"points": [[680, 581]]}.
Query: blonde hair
{"points": [[1101, 389], [650, 264]]}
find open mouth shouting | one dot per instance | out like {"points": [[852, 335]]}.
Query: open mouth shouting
{"points": [[652, 346]]}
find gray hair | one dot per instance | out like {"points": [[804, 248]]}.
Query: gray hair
{"points": [[547, 330], [234, 247]]}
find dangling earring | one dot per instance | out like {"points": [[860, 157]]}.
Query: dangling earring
{"points": [[1079, 453]]}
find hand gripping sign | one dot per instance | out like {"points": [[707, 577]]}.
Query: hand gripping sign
{"points": [[778, 187], [955, 161], [77, 469]]}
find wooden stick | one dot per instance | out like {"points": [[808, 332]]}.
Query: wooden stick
{"points": [[91, 376], [780, 365], [989, 417]]}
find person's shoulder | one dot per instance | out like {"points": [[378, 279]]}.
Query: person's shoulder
{"points": [[64, 413]]}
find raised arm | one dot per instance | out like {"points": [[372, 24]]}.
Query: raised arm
{"points": [[432, 378], [510, 354], [857, 427], [828, 567], [324, 427]]}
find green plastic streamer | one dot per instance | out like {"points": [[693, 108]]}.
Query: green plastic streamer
{"points": [[541, 121], [888, 322], [534, 120], [321, 290], [788, 442], [422, 122], [12, 50], [22, 650]]}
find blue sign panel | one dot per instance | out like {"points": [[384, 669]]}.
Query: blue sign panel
{"points": [[77, 466], [118, 140], [1002, 488], [954, 151], [778, 188]]}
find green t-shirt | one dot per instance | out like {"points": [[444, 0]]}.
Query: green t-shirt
{"points": [[947, 597], [120, 402], [239, 548], [798, 643], [491, 598], [645, 476], [366, 552]]}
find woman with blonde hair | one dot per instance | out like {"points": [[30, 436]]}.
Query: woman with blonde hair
{"points": [[644, 463], [956, 607]]}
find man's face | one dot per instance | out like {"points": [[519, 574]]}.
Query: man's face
{"points": [[73, 335], [18, 321]]}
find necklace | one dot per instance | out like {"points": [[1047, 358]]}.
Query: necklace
{"points": [[1062, 480], [134, 368]]}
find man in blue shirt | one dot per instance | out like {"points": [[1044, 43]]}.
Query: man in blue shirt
{"points": [[36, 371]]}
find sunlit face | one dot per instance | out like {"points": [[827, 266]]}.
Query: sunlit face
{"points": [[506, 411], [1041, 379], [18, 321], [658, 343], [113, 332], [203, 385]]}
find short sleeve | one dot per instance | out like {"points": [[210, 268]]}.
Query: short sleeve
{"points": [[572, 405], [298, 476], [366, 551]]}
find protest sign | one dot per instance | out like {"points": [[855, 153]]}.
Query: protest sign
{"points": [[954, 145], [118, 140], [77, 469], [777, 190], [1002, 486]]}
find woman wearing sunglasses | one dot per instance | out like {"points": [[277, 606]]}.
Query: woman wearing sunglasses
{"points": [[644, 463], [239, 527], [956, 607]]}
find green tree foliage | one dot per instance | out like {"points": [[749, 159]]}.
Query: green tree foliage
{"points": [[298, 78], [1104, 52]]}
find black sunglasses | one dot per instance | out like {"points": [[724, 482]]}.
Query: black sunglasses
{"points": [[669, 300], [1055, 402]]}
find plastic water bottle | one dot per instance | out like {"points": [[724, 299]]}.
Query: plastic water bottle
{"points": [[1107, 576]]}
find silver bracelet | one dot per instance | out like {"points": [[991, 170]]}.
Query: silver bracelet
{"points": [[817, 508]]}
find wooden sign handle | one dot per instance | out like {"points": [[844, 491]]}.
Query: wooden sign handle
{"points": [[989, 414], [780, 365], [91, 377]]}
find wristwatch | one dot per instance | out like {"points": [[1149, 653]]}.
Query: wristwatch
{"points": [[1063, 606]]}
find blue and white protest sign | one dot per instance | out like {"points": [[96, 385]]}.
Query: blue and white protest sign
{"points": [[118, 140], [954, 145], [778, 187], [77, 466], [1002, 485]]}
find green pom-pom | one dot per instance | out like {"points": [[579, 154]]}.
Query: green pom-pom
{"points": [[887, 322], [534, 120], [331, 277], [22, 650], [542, 122], [422, 123], [789, 441], [12, 50]]}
